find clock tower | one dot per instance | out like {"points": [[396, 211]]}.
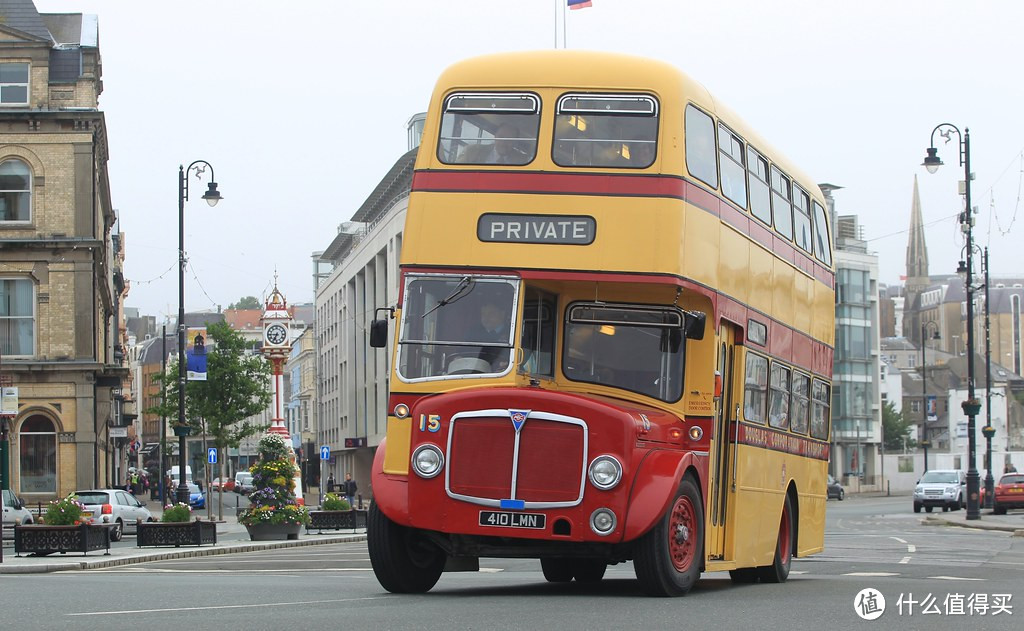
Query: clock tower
{"points": [[277, 345]]}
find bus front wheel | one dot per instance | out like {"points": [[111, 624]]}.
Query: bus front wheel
{"points": [[668, 559], [403, 560]]}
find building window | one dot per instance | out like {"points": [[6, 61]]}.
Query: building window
{"points": [[14, 84], [15, 191], [37, 445], [17, 318]]}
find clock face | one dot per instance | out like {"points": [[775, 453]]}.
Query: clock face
{"points": [[276, 334]]}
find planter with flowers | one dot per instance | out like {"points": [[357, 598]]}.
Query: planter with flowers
{"points": [[335, 514], [66, 527], [176, 529], [273, 512]]}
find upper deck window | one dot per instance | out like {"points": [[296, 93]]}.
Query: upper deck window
{"points": [[700, 146], [636, 348], [802, 218], [734, 179], [479, 128], [821, 246], [781, 206], [760, 198], [596, 130]]}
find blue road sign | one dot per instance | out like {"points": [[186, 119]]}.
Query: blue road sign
{"points": [[325, 452], [211, 455]]}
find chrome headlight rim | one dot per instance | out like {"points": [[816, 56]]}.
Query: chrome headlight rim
{"points": [[599, 513], [591, 475], [427, 474]]}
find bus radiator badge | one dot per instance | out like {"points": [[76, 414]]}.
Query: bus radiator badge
{"points": [[518, 418]]}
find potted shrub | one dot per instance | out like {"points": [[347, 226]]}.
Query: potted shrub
{"points": [[273, 512], [176, 529], [65, 527], [335, 513]]}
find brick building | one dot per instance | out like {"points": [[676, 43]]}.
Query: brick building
{"points": [[61, 287]]}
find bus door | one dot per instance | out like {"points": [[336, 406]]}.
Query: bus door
{"points": [[723, 458]]}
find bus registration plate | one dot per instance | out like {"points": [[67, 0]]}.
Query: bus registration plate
{"points": [[512, 520]]}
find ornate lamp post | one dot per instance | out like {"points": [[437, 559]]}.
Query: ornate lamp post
{"points": [[988, 431], [972, 405], [924, 386], [212, 196]]}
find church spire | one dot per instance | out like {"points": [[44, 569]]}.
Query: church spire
{"points": [[917, 249]]}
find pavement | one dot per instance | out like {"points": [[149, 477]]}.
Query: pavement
{"points": [[1013, 521], [232, 538]]}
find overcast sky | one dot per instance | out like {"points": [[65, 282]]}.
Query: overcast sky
{"points": [[301, 109]]}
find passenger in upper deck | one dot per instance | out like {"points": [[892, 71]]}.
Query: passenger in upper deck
{"points": [[506, 148]]}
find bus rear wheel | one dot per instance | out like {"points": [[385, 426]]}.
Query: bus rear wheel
{"points": [[668, 559], [778, 571], [588, 571], [556, 570], [403, 560]]}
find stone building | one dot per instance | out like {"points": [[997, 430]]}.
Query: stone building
{"points": [[61, 286]]}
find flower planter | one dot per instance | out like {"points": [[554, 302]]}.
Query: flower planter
{"points": [[187, 533], [336, 519], [273, 532], [42, 539]]}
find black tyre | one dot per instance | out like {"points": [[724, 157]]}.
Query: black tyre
{"points": [[842, 495], [117, 530], [917, 507], [668, 559], [778, 571], [928, 509], [556, 570], [588, 571], [403, 560], [998, 510]]}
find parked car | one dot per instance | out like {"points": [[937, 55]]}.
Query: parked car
{"points": [[196, 499], [229, 484], [941, 487], [243, 482], [1009, 493], [14, 512], [115, 507], [835, 490]]}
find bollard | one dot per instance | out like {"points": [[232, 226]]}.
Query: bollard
{"points": [[359, 497]]}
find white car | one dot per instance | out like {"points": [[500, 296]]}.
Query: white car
{"points": [[115, 507], [14, 512], [946, 488]]}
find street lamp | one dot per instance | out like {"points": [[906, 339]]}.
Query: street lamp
{"points": [[924, 386], [988, 431], [971, 406], [212, 196]]}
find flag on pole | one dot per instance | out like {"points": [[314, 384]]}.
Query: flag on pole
{"points": [[578, 4]]}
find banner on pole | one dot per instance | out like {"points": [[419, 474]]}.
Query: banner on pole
{"points": [[195, 353]]}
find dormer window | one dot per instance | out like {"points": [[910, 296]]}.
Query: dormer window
{"points": [[14, 84]]}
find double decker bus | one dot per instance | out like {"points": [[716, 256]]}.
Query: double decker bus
{"points": [[614, 335]]}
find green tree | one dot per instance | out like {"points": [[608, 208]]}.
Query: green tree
{"points": [[247, 302], [237, 387], [896, 429]]}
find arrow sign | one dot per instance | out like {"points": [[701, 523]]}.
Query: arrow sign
{"points": [[325, 452], [211, 455]]}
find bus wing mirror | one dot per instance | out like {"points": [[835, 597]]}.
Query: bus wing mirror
{"points": [[694, 325], [379, 333]]}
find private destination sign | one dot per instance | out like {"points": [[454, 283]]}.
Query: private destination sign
{"points": [[552, 229]]}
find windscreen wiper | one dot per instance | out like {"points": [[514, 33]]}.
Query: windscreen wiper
{"points": [[461, 290]]}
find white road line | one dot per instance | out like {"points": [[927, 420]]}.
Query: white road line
{"points": [[246, 606], [905, 560], [911, 547], [955, 578], [872, 574], [898, 539]]}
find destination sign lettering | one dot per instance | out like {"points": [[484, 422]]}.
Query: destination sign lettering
{"points": [[549, 229]]}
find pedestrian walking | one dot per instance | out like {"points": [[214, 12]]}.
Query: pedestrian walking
{"points": [[349, 488], [330, 483]]}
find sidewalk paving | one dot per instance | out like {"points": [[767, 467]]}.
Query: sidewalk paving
{"points": [[1011, 522], [232, 538]]}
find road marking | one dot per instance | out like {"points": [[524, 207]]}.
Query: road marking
{"points": [[911, 547], [492, 570], [904, 560], [872, 574], [293, 571], [955, 578], [898, 539], [212, 607]]}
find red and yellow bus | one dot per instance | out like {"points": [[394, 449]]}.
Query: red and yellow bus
{"points": [[614, 335]]}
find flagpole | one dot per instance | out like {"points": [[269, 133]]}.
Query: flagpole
{"points": [[556, 24], [563, 23]]}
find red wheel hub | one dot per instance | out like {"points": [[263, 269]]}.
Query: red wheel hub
{"points": [[682, 534], [785, 534]]}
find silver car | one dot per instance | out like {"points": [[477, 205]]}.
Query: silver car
{"points": [[941, 487], [115, 507]]}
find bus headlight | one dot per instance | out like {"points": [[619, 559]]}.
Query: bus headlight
{"points": [[602, 521], [427, 461], [605, 472]]}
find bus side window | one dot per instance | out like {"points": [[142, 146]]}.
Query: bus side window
{"points": [[781, 204], [538, 335], [755, 388], [734, 181], [701, 159]]}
